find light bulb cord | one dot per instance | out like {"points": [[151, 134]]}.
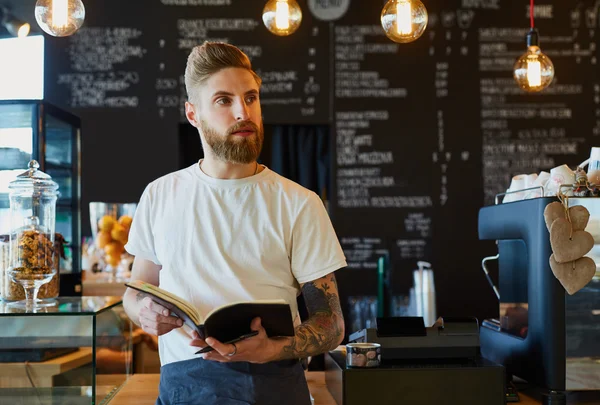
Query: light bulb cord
{"points": [[531, 13], [532, 36]]}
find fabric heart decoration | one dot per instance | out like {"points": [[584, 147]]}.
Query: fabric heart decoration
{"points": [[569, 245], [573, 275], [578, 214]]}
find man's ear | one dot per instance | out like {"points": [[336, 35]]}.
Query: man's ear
{"points": [[190, 113]]}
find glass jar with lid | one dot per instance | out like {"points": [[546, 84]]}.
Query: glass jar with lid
{"points": [[33, 259]]}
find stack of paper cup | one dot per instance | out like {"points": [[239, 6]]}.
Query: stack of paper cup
{"points": [[529, 182], [517, 183], [550, 182], [526, 181], [559, 175], [520, 182], [540, 181], [594, 166]]}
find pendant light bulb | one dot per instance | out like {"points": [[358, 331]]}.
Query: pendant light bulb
{"points": [[533, 71], [404, 20], [282, 17], [23, 30], [14, 26], [59, 18]]}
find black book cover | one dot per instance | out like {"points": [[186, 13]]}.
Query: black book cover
{"points": [[231, 321]]}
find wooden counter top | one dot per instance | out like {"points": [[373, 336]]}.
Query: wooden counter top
{"points": [[142, 389]]}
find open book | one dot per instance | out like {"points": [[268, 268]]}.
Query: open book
{"points": [[227, 322]]}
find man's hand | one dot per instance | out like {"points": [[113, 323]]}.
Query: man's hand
{"points": [[256, 349], [155, 320]]}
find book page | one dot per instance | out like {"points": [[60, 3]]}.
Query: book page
{"points": [[167, 296]]}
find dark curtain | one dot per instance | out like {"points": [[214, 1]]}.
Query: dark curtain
{"points": [[302, 154]]}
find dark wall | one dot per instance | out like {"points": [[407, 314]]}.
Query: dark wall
{"points": [[424, 134]]}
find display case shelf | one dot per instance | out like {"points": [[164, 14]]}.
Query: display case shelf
{"points": [[74, 351]]}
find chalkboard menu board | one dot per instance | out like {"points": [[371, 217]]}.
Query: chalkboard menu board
{"points": [[132, 54], [424, 133], [428, 132], [122, 73]]}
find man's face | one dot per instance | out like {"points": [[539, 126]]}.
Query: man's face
{"points": [[229, 117]]}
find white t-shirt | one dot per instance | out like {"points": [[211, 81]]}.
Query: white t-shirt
{"points": [[220, 241]]}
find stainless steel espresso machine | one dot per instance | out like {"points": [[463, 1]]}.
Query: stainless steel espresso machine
{"points": [[543, 335]]}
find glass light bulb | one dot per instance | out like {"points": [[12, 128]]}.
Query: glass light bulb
{"points": [[60, 13], [533, 71], [23, 30], [17, 27], [282, 17], [59, 18], [404, 20]]}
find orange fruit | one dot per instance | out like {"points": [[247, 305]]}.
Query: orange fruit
{"points": [[119, 233], [125, 221], [106, 223], [114, 248], [102, 239], [112, 260]]}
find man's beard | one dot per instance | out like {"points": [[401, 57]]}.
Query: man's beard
{"points": [[228, 149]]}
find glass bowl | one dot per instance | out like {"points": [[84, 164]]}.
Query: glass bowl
{"points": [[110, 223]]}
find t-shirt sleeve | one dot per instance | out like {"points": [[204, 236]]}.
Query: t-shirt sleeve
{"points": [[316, 250], [141, 235]]}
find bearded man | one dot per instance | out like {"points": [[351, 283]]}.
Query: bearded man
{"points": [[229, 229]]}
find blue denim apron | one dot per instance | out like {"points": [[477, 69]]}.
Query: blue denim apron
{"points": [[206, 382]]}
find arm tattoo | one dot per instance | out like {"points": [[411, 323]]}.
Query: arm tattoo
{"points": [[324, 328]]}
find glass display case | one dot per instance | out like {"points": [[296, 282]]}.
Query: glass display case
{"points": [[31, 129], [78, 351]]}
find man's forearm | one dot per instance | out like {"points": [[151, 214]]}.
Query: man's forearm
{"points": [[319, 334], [132, 302], [324, 328]]}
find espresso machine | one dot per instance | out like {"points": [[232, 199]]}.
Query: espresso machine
{"points": [[543, 335]]}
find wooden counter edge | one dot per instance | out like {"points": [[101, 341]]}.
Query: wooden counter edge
{"points": [[142, 389]]}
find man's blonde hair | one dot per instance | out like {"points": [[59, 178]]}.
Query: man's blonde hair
{"points": [[208, 59]]}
